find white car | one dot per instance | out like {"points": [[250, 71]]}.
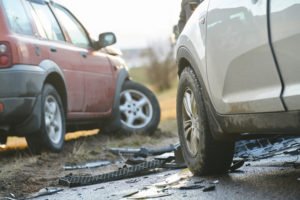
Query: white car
{"points": [[239, 70]]}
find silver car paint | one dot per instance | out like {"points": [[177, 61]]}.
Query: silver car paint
{"points": [[241, 73], [193, 37], [285, 27]]}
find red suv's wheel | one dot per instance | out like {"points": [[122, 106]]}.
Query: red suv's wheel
{"points": [[52, 132], [139, 109]]}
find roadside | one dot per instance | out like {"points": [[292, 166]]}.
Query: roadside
{"points": [[22, 173]]}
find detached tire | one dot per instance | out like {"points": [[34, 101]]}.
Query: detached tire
{"points": [[52, 132], [203, 154], [139, 109]]}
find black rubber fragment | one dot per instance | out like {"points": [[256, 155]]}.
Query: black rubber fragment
{"points": [[136, 170]]}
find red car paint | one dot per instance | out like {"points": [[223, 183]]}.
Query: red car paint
{"points": [[90, 75]]}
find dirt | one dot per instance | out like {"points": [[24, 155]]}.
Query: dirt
{"points": [[22, 173]]}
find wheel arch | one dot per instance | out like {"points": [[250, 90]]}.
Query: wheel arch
{"points": [[114, 123], [55, 77], [58, 83], [184, 60]]}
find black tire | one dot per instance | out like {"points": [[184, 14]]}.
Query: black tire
{"points": [[203, 154], [53, 119], [151, 109]]}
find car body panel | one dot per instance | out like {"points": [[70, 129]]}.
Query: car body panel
{"points": [[242, 74], [73, 73], [285, 30], [86, 78], [99, 82], [193, 38]]}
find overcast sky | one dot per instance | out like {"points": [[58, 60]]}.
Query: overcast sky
{"points": [[137, 23]]}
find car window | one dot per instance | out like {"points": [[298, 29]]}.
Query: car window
{"points": [[36, 20], [18, 20], [48, 21], [73, 28]]}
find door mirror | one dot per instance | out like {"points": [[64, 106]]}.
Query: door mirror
{"points": [[106, 39]]}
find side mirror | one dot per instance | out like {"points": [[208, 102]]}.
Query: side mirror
{"points": [[106, 39]]}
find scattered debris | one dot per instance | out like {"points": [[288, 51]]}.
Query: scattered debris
{"points": [[191, 187], [215, 182], [86, 165], [46, 192], [7, 198], [100, 188], [136, 170], [198, 182], [175, 179], [293, 152], [178, 155], [148, 193], [143, 152], [135, 160], [267, 147], [209, 188], [132, 181], [166, 156], [130, 194], [236, 164]]}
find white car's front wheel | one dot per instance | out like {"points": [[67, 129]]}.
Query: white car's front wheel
{"points": [[203, 154]]}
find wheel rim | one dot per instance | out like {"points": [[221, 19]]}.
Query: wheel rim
{"points": [[136, 109], [191, 122], [53, 119]]}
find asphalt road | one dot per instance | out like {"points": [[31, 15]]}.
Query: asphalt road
{"points": [[273, 178]]}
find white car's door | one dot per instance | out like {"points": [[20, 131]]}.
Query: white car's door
{"points": [[241, 71], [285, 29]]}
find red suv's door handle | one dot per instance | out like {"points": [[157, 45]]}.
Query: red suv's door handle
{"points": [[83, 54], [53, 49]]}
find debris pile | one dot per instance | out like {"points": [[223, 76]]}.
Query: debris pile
{"points": [[141, 161]]}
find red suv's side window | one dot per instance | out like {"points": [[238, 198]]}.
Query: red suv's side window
{"points": [[73, 28], [18, 20], [48, 22]]}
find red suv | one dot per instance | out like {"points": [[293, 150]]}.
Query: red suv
{"points": [[54, 79]]}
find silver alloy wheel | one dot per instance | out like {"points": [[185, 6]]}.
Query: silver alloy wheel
{"points": [[53, 119], [191, 122], [136, 109]]}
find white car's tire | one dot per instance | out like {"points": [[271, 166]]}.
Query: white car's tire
{"points": [[203, 154]]}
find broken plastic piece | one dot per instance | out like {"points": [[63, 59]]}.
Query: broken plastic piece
{"points": [[136, 170], [293, 152], [215, 182], [191, 187], [129, 194], [236, 164], [86, 165], [150, 193], [209, 188], [143, 152], [135, 161], [46, 191]]}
